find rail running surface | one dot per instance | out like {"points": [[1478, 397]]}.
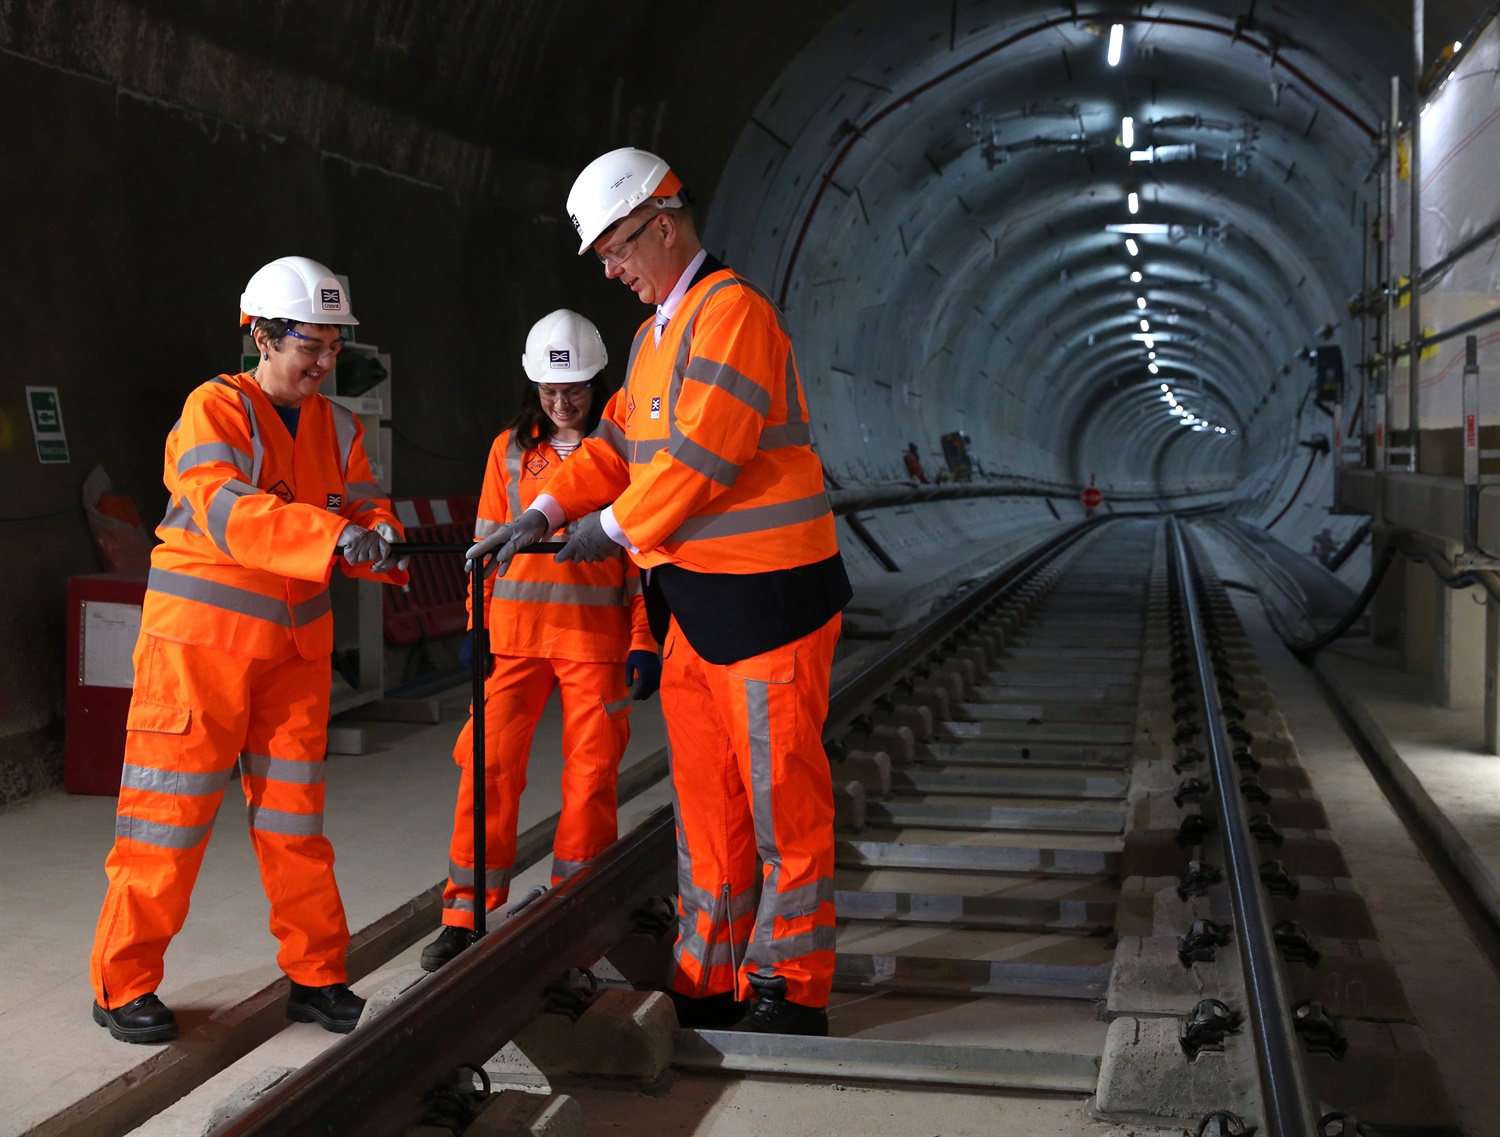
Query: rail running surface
{"points": [[1005, 817]]}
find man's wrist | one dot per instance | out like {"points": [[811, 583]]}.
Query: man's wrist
{"points": [[548, 507]]}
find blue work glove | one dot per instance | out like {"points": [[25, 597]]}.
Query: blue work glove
{"points": [[502, 545], [588, 542], [642, 673], [466, 656]]}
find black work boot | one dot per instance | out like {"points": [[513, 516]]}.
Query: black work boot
{"points": [[773, 1013], [449, 943], [712, 1012], [146, 1019], [333, 1007]]}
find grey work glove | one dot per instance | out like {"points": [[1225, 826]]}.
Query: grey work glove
{"points": [[502, 545], [393, 537], [588, 542], [361, 546]]}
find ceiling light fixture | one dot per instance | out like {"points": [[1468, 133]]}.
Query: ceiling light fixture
{"points": [[1151, 367], [1133, 202], [1116, 44], [1145, 325], [1140, 302], [1127, 132], [1135, 278], [1131, 247]]}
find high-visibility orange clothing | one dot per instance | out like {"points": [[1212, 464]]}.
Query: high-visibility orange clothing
{"points": [[706, 451], [586, 612], [706, 455], [750, 775], [550, 625], [196, 713], [596, 729], [253, 521], [232, 666]]}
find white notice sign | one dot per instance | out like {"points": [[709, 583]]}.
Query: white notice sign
{"points": [[109, 635]]}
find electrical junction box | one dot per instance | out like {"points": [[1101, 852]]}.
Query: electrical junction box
{"points": [[104, 621]]}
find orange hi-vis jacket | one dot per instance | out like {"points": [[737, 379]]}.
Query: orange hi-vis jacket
{"points": [[253, 519], [589, 613], [706, 452]]}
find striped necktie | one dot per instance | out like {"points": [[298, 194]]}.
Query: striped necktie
{"points": [[661, 325]]}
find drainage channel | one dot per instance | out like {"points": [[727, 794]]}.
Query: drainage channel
{"points": [[1024, 872]]}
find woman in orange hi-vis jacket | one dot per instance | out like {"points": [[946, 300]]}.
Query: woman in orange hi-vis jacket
{"points": [[269, 488], [580, 627]]}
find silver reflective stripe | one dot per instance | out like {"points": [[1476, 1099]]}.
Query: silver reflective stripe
{"points": [[257, 449], [731, 382], [290, 824], [648, 449], [484, 526], [562, 870], [758, 727], [821, 938], [345, 425], [546, 592], [513, 476], [794, 902], [219, 507], [788, 434], [463, 876], [283, 769], [709, 956], [459, 904], [358, 493], [702, 460], [635, 347], [617, 706], [312, 609], [756, 519], [161, 835], [207, 452], [633, 586], [217, 595], [173, 781], [611, 434], [180, 517]]}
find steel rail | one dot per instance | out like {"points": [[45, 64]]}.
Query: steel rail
{"points": [[1286, 1100], [472, 1006], [475, 1004]]}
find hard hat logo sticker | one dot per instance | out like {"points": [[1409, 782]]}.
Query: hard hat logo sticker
{"points": [[331, 299], [577, 228], [558, 360]]}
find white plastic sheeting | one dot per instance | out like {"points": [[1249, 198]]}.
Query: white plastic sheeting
{"points": [[1460, 175]]}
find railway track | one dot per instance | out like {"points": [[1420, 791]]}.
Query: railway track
{"points": [[1039, 891]]}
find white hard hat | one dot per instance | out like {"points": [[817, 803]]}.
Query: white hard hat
{"points": [[563, 347], [296, 288], [615, 183]]}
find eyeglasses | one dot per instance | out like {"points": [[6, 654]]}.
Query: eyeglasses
{"points": [[616, 256], [315, 348], [573, 393]]}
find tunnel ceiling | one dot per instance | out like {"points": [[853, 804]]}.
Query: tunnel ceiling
{"points": [[928, 187], [937, 195]]}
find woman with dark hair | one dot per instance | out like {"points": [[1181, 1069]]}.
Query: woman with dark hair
{"points": [[578, 627]]}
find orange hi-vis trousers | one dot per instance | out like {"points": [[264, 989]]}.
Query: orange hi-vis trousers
{"points": [[750, 776], [195, 714], [596, 729]]}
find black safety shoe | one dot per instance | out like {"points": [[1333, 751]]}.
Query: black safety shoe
{"points": [[146, 1019], [712, 1012], [449, 943], [333, 1007], [774, 1013]]}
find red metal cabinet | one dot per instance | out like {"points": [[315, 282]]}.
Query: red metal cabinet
{"points": [[104, 618]]}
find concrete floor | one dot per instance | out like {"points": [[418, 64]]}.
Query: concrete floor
{"points": [[389, 814]]}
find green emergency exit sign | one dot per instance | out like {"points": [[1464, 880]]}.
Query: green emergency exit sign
{"points": [[47, 424]]}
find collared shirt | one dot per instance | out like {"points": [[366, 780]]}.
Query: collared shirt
{"points": [[668, 307]]}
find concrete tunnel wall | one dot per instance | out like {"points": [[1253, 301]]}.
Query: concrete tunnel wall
{"points": [[153, 153]]}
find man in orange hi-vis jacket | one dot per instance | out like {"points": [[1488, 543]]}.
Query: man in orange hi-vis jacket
{"points": [[706, 457], [269, 487]]}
